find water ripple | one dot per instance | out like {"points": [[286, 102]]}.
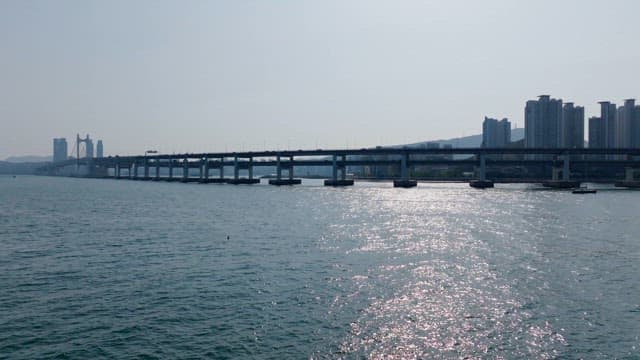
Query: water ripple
{"points": [[117, 269]]}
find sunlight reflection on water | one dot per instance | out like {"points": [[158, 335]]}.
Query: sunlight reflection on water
{"points": [[448, 301]]}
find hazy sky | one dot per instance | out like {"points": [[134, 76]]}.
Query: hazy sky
{"points": [[191, 76]]}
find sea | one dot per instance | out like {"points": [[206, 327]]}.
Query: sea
{"points": [[120, 269]]}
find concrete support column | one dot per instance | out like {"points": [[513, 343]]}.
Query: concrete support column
{"points": [[404, 171], [185, 168], [291, 168], [222, 168], [482, 182], [404, 181], [250, 168], [629, 173], [117, 171], [205, 168], [146, 168], [483, 168], [135, 171], [157, 168], [344, 168], [629, 179], [288, 166], [334, 181], [278, 168], [170, 168], [236, 170], [564, 182], [566, 168]]}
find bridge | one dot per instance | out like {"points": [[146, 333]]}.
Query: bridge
{"points": [[566, 167]]}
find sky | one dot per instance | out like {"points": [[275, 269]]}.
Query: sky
{"points": [[236, 75]]}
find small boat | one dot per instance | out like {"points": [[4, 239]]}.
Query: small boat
{"points": [[584, 190]]}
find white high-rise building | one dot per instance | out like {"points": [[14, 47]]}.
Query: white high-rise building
{"points": [[89, 145], [99, 149]]}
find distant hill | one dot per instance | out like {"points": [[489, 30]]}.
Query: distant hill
{"points": [[19, 168], [473, 141], [28, 159]]}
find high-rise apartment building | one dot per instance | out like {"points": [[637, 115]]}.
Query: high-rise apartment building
{"points": [[628, 123], [89, 146], [597, 133], [617, 127], [543, 123], [572, 126], [60, 149], [99, 149], [622, 134], [608, 115], [496, 133], [636, 129]]}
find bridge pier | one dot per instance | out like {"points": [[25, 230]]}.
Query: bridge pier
{"points": [[566, 168], [170, 178], [206, 178], [135, 171], [565, 182], [334, 181], [98, 171], [157, 174], [629, 174], [236, 169], [482, 182], [128, 169], [404, 181], [237, 165], [185, 172], [119, 171], [629, 179], [146, 169], [204, 169], [172, 163], [278, 181]]}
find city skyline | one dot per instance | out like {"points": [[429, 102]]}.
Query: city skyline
{"points": [[195, 77], [563, 125]]}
